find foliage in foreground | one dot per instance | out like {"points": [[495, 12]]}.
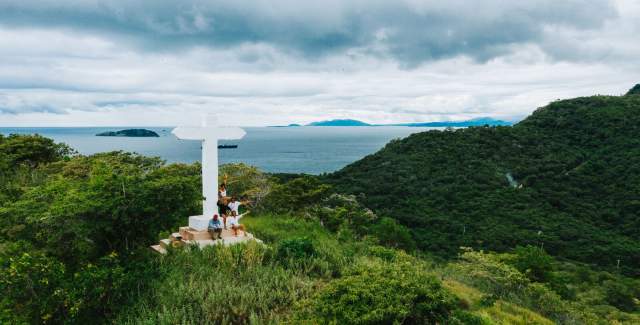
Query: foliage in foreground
{"points": [[316, 279], [379, 292], [238, 284], [71, 227]]}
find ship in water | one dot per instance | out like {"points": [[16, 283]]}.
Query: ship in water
{"points": [[227, 146]]}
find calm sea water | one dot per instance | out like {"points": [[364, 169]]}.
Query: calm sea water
{"points": [[311, 150]]}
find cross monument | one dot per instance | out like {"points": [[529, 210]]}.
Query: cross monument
{"points": [[208, 133]]}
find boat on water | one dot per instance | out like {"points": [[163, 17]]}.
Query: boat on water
{"points": [[227, 146]]}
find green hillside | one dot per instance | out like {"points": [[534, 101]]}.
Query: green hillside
{"points": [[74, 249], [567, 178]]}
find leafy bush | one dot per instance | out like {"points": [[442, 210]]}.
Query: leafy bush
{"points": [[339, 210], [33, 289], [625, 295], [72, 232], [32, 150], [295, 195], [534, 262], [488, 300], [39, 289], [380, 293], [386, 254], [390, 233], [489, 273], [296, 248]]}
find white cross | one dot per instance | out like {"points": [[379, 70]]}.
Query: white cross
{"points": [[208, 133]]}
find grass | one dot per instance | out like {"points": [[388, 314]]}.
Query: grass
{"points": [[221, 285], [500, 312], [250, 283], [241, 283]]}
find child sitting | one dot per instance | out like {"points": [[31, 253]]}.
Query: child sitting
{"points": [[233, 220]]}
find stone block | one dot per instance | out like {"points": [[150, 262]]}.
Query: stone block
{"points": [[165, 243], [176, 236], [199, 222], [158, 249]]}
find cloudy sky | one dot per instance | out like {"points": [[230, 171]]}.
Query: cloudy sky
{"points": [[265, 62]]}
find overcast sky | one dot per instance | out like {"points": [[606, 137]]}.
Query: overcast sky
{"points": [[163, 62]]}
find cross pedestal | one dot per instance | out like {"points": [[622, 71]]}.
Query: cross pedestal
{"points": [[209, 133]]}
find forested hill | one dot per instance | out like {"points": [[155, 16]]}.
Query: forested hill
{"points": [[566, 178]]}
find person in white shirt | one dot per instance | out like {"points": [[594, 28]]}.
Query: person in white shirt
{"points": [[222, 191], [234, 205], [234, 221]]}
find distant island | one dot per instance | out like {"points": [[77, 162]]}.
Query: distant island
{"points": [[345, 122], [473, 122], [129, 133]]}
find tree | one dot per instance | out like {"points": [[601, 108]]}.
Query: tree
{"points": [[534, 262]]}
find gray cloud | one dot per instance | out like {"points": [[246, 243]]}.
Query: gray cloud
{"points": [[410, 32], [17, 105], [108, 62]]}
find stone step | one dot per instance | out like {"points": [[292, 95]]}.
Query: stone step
{"points": [[183, 231], [196, 234], [165, 243], [229, 233], [226, 241], [176, 236], [159, 249], [205, 242]]}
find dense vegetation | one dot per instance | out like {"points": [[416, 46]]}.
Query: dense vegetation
{"points": [[567, 178], [75, 231], [71, 226]]}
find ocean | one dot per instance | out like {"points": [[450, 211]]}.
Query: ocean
{"points": [[311, 150]]}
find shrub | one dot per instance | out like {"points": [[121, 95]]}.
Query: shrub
{"points": [[534, 262], [488, 273], [390, 233], [382, 293], [339, 213], [622, 295], [295, 248], [33, 289], [384, 253], [488, 300], [295, 195]]}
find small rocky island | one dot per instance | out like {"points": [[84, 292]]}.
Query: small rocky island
{"points": [[129, 133]]}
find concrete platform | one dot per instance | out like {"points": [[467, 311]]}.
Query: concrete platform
{"points": [[189, 236], [199, 222]]}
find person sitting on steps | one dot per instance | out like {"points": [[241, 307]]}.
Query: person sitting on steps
{"points": [[234, 219], [215, 228]]}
